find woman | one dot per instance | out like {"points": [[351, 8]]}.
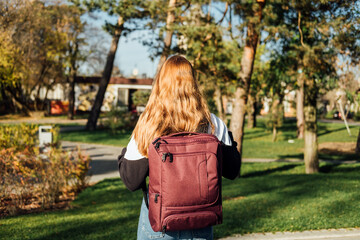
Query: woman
{"points": [[175, 105]]}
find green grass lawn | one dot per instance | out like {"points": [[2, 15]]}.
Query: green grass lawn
{"points": [[101, 136], [257, 142], [269, 197]]}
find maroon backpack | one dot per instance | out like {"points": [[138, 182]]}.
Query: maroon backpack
{"points": [[185, 182]]}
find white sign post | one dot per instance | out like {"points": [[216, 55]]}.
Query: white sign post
{"points": [[45, 135], [339, 94]]}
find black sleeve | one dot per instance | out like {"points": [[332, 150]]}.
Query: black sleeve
{"points": [[231, 160], [133, 172]]}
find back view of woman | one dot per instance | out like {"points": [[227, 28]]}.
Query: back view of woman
{"points": [[175, 105]]}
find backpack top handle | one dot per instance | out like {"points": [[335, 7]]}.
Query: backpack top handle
{"points": [[183, 134]]}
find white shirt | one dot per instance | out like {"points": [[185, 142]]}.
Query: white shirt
{"points": [[221, 132]]}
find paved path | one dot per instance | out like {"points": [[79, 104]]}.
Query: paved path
{"points": [[332, 234], [104, 159]]}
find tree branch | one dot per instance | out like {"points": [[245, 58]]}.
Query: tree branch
{"points": [[299, 27], [226, 9]]}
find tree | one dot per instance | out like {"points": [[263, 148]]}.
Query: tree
{"points": [[74, 54], [300, 121], [259, 80], [317, 56], [279, 78], [318, 32], [170, 19], [253, 15], [126, 11], [203, 41], [39, 31]]}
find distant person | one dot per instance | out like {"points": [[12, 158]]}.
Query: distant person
{"points": [[175, 105]]}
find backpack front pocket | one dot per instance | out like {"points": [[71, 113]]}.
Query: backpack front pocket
{"points": [[187, 178], [194, 220]]}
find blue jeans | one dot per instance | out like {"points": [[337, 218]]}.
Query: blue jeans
{"points": [[145, 231]]}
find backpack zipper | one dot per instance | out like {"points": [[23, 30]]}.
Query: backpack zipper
{"points": [[171, 155], [157, 145], [156, 197], [164, 156], [159, 140]]}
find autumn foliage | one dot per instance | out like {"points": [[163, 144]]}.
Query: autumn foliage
{"points": [[30, 179]]}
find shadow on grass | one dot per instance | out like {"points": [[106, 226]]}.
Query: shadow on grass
{"points": [[269, 171], [256, 134], [330, 157], [290, 202], [292, 156], [322, 130], [328, 168], [340, 156], [333, 168]]}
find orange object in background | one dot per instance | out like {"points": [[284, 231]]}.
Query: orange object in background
{"points": [[58, 107]]}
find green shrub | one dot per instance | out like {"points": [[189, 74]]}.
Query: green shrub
{"points": [[141, 97], [330, 114], [24, 136], [28, 176], [275, 119], [356, 116], [19, 136], [120, 121]]}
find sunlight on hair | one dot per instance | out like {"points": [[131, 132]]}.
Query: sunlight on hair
{"points": [[175, 105]]}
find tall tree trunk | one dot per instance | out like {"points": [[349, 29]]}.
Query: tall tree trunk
{"points": [[37, 97], [358, 143], [238, 116], [219, 103], [275, 107], [300, 122], [105, 78], [73, 74], [242, 91], [19, 102], [169, 33], [39, 84], [310, 134], [71, 109], [274, 133], [45, 97], [251, 111]]}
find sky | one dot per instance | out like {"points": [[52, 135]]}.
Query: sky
{"points": [[131, 53]]}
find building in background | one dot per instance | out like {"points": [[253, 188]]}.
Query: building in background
{"points": [[118, 93]]}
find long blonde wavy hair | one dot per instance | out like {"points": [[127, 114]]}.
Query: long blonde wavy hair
{"points": [[175, 105]]}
